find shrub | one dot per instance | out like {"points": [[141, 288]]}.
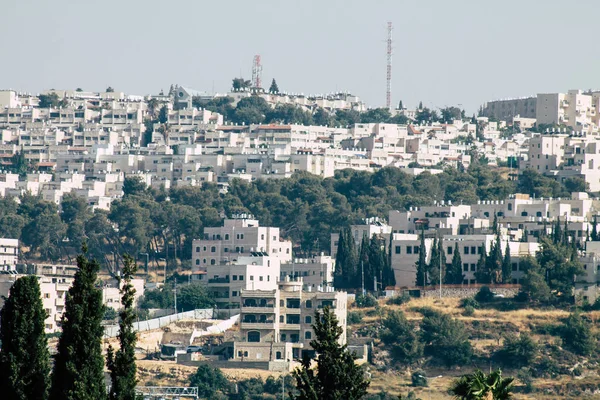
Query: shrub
{"points": [[367, 300], [468, 311], [419, 379], [577, 335], [425, 311], [402, 337], [446, 339], [484, 295], [469, 302], [524, 375], [399, 300], [110, 314], [517, 351], [355, 317]]}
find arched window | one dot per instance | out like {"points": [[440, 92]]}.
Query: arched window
{"points": [[278, 355], [253, 336]]}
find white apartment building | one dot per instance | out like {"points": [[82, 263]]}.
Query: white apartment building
{"points": [[276, 325], [316, 272], [574, 109], [507, 110], [239, 236], [9, 254], [225, 281]]}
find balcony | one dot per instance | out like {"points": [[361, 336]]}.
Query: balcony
{"points": [[258, 325], [219, 280], [268, 309], [289, 327], [60, 302]]}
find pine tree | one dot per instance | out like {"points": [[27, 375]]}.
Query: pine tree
{"points": [[24, 356], [595, 230], [340, 277], [337, 376], [421, 263], [274, 89], [79, 365], [454, 276], [122, 363], [506, 266]]}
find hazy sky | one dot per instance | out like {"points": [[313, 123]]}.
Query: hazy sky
{"points": [[445, 52]]}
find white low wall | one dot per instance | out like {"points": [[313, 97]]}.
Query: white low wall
{"points": [[157, 323]]}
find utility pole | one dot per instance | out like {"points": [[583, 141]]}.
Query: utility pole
{"points": [[175, 294], [362, 267], [441, 250]]}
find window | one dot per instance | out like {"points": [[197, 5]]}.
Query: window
{"points": [[262, 237], [197, 261], [466, 250], [524, 214], [227, 236], [234, 293], [473, 250], [213, 249], [260, 278], [226, 250], [278, 355], [283, 337], [197, 249], [465, 267], [251, 277], [308, 319], [281, 319], [308, 303], [253, 337], [472, 267], [212, 261], [234, 277], [408, 249], [398, 249], [241, 277], [307, 335], [449, 250], [515, 267], [509, 206], [479, 250], [46, 295]]}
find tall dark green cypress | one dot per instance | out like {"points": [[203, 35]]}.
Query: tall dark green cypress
{"points": [[24, 356], [362, 263], [557, 233], [421, 279], [506, 266], [454, 276], [122, 363], [389, 278], [433, 270], [595, 230], [443, 257], [341, 258], [352, 279], [79, 365], [376, 265], [483, 274]]}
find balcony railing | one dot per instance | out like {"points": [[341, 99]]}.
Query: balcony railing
{"points": [[218, 280]]}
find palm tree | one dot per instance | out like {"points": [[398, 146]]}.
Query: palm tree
{"points": [[479, 386]]}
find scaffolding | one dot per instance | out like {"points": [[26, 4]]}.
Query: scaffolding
{"points": [[165, 392]]}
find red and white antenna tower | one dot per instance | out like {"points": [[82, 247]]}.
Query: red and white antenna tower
{"points": [[388, 93], [256, 72]]}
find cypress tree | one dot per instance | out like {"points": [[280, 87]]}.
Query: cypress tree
{"points": [[389, 278], [352, 279], [421, 278], [443, 257], [565, 238], [24, 357], [376, 264], [337, 376], [506, 266], [483, 274], [433, 271], [341, 259], [363, 263], [557, 234], [79, 365], [122, 363], [594, 231], [454, 276]]}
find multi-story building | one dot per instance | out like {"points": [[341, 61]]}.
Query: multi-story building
{"points": [[276, 325], [239, 236], [226, 280], [9, 254], [316, 272], [574, 109], [507, 110]]}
